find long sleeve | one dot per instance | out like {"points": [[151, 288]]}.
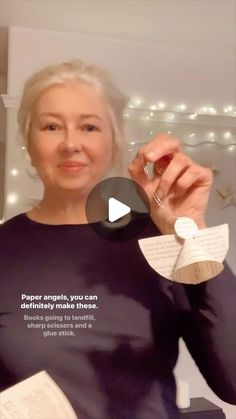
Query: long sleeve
{"points": [[208, 319]]}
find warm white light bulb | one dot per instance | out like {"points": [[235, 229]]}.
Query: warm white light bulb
{"points": [[193, 116], [181, 107], [227, 134], [228, 109], [12, 198], [161, 105], [151, 114], [211, 134], [212, 110], [137, 101], [14, 172], [153, 107], [192, 135]]}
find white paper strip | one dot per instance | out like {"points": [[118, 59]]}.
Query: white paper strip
{"points": [[182, 394]]}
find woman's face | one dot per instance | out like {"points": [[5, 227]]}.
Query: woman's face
{"points": [[70, 141]]}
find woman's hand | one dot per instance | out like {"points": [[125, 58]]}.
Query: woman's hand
{"points": [[182, 185]]}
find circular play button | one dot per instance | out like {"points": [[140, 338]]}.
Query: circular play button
{"points": [[117, 209]]}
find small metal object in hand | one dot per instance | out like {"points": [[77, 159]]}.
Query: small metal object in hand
{"points": [[158, 200]]}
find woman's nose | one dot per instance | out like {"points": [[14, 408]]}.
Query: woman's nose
{"points": [[70, 142]]}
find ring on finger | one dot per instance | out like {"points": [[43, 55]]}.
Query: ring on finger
{"points": [[158, 200]]}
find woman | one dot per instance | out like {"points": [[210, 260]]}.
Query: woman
{"points": [[121, 366]]}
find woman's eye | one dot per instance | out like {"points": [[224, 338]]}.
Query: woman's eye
{"points": [[89, 127], [51, 127]]}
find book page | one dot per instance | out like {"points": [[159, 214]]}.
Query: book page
{"points": [[37, 397], [188, 261], [196, 262]]}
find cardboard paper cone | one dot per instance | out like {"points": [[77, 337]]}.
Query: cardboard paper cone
{"points": [[198, 272], [195, 264]]}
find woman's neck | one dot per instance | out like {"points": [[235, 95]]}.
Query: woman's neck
{"points": [[61, 215], [64, 208]]}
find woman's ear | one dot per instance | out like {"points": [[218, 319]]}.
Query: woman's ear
{"points": [[28, 157], [30, 167]]}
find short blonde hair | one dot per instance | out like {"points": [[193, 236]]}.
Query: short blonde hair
{"points": [[76, 70]]}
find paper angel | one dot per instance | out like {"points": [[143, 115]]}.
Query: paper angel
{"points": [[191, 260]]}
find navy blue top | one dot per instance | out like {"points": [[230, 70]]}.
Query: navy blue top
{"points": [[120, 364]]}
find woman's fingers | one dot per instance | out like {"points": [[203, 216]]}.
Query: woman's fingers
{"points": [[173, 170], [181, 174], [161, 148], [179, 163], [193, 177], [137, 169]]}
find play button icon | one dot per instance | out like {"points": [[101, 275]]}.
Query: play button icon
{"points": [[117, 209]]}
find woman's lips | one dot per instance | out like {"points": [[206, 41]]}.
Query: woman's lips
{"points": [[71, 166]]}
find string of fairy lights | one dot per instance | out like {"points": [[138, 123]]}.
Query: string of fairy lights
{"points": [[194, 127], [137, 102]]}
